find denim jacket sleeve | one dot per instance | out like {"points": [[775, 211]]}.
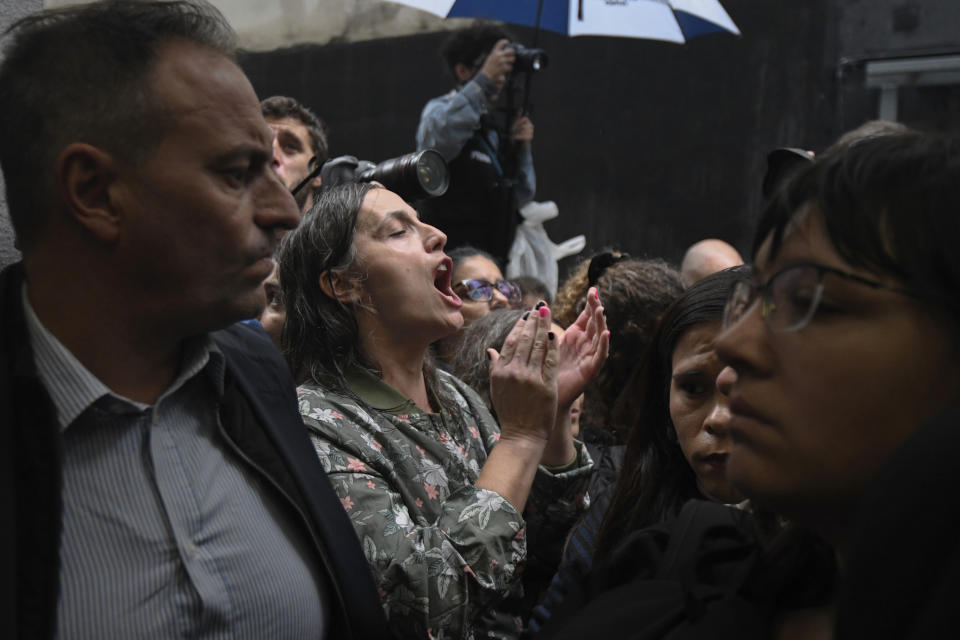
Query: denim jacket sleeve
{"points": [[449, 121]]}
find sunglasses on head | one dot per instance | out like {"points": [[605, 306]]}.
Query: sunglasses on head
{"points": [[482, 290]]}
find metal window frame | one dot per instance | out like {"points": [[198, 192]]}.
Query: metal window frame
{"points": [[891, 74]]}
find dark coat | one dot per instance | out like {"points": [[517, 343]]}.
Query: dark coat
{"points": [[260, 420]]}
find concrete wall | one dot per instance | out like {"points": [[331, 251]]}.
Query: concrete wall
{"points": [[10, 10], [263, 25]]}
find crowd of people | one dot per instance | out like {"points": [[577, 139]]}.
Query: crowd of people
{"points": [[232, 412]]}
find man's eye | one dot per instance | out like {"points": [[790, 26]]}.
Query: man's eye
{"points": [[291, 149], [236, 176]]}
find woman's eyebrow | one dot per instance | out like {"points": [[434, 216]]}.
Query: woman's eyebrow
{"points": [[399, 214]]}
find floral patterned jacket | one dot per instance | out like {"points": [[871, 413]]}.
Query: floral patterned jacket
{"points": [[446, 556]]}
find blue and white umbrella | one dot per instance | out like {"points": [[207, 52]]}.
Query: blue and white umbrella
{"points": [[670, 20]]}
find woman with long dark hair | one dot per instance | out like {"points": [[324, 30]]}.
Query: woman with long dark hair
{"points": [[677, 442], [445, 517]]}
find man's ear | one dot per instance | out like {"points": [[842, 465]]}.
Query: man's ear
{"points": [[338, 285], [462, 72], [85, 177]]}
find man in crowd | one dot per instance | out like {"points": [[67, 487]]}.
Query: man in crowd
{"points": [[491, 170], [299, 145], [157, 478], [706, 257]]}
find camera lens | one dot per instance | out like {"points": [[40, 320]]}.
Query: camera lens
{"points": [[529, 60], [432, 172], [422, 174]]}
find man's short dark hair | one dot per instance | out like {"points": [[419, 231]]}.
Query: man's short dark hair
{"points": [[80, 74], [466, 45], [286, 107]]}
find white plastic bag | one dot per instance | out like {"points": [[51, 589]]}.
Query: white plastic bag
{"points": [[533, 253]]}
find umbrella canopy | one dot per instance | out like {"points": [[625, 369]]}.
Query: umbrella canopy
{"points": [[670, 20]]}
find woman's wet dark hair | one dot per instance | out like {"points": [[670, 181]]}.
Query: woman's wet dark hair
{"points": [[891, 205], [320, 335], [656, 478]]}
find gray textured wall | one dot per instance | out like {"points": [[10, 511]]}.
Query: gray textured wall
{"points": [[11, 10]]}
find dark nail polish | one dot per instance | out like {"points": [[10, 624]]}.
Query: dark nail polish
{"points": [[526, 315], [551, 335], [540, 304]]}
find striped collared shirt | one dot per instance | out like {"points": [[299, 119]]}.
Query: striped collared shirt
{"points": [[166, 533]]}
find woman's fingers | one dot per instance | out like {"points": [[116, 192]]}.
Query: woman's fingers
{"points": [[538, 350], [589, 309], [551, 359], [523, 388], [509, 348]]}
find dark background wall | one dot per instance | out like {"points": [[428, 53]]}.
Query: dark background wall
{"points": [[646, 146]]}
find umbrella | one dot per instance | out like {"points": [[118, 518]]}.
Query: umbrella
{"points": [[670, 20]]}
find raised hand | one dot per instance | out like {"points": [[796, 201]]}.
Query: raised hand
{"points": [[523, 378], [582, 351], [499, 62]]}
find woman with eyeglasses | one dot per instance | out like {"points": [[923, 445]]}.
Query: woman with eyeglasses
{"points": [[478, 281], [843, 378], [845, 343], [447, 502]]}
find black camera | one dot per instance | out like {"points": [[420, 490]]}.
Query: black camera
{"points": [[529, 60], [412, 176]]}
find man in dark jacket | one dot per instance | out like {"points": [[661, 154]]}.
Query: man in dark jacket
{"points": [[157, 479]]}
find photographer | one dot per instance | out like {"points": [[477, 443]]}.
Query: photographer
{"points": [[491, 173]]}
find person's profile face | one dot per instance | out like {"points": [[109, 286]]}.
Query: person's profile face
{"points": [[699, 412], [204, 209], [815, 411], [404, 281]]}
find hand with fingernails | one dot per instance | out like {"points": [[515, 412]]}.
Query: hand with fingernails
{"points": [[523, 378], [582, 351], [523, 389]]}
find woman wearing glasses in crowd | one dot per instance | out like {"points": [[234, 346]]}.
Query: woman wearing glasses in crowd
{"points": [[479, 283], [843, 377], [443, 515]]}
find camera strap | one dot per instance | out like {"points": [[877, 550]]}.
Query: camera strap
{"points": [[488, 149]]}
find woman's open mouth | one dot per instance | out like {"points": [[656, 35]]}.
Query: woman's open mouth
{"points": [[441, 280]]}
